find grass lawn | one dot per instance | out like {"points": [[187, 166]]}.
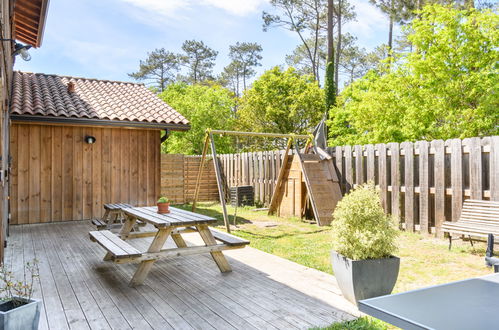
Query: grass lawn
{"points": [[424, 260]]}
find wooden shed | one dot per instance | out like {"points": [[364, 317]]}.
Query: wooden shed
{"points": [[78, 143]]}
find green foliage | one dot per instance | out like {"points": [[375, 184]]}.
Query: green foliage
{"points": [[199, 59], [160, 68], [281, 102], [446, 88], [361, 229], [163, 199], [204, 107], [362, 323], [330, 86]]}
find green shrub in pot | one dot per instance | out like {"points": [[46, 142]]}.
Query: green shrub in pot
{"points": [[363, 243]]}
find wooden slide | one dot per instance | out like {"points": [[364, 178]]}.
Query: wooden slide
{"points": [[323, 186]]}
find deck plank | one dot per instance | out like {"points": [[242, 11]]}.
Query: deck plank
{"points": [[80, 290]]}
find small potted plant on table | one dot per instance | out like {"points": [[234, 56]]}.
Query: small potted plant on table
{"points": [[363, 246], [18, 310], [163, 205]]}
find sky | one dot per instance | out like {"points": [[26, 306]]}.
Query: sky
{"points": [[106, 39]]}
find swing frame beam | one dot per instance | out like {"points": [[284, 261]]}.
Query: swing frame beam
{"points": [[209, 141]]}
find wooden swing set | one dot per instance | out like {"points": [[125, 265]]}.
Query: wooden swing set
{"points": [[318, 174]]}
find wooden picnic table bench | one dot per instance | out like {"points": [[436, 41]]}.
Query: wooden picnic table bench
{"points": [[173, 224], [113, 215], [478, 219]]}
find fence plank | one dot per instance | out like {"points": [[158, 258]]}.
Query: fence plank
{"points": [[456, 160], [370, 162], [338, 159], [439, 183], [359, 165], [475, 161], [395, 178], [494, 168], [348, 168], [424, 189], [409, 185], [382, 175]]}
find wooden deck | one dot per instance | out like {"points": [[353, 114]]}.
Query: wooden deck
{"points": [[80, 291]]}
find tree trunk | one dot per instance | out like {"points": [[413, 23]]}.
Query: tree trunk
{"points": [[390, 29], [338, 47], [329, 83], [330, 32]]}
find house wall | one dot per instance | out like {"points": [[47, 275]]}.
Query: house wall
{"points": [[56, 176], [6, 68]]}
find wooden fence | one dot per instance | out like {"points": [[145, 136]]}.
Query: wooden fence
{"points": [[178, 178], [257, 169], [421, 183]]}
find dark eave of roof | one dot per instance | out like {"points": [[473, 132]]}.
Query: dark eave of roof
{"points": [[98, 122], [29, 21]]}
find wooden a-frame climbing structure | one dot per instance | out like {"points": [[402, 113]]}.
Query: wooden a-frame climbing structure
{"points": [[306, 181]]}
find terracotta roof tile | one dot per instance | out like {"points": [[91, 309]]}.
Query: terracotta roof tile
{"points": [[40, 94]]}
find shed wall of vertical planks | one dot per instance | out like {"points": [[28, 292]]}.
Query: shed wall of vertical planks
{"points": [[57, 176]]}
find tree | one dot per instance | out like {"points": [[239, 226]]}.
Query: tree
{"points": [[204, 107], [281, 102], [160, 66], [304, 17], [398, 11], [246, 55], [329, 84], [446, 88], [199, 59], [231, 77]]}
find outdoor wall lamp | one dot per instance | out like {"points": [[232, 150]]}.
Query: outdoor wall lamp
{"points": [[90, 139], [20, 49]]}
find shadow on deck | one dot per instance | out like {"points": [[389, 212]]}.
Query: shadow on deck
{"points": [[81, 291]]}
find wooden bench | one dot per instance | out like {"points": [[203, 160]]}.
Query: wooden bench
{"points": [[113, 216], [229, 239], [115, 246], [478, 219]]}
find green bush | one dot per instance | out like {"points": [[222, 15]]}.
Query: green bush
{"points": [[361, 229]]}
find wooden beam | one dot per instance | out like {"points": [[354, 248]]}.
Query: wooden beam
{"points": [[218, 174], [269, 135], [279, 185], [200, 172]]}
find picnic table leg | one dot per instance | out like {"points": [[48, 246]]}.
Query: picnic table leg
{"points": [[145, 266], [105, 217], [218, 256], [179, 240]]}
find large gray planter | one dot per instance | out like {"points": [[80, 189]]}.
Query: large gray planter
{"points": [[24, 317], [363, 279]]}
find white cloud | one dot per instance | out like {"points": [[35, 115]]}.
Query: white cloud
{"points": [[237, 7], [165, 8], [370, 20]]}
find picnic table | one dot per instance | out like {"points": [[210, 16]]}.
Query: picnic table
{"points": [[467, 304], [173, 225]]}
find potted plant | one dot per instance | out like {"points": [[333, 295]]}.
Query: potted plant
{"points": [[163, 205], [363, 245], [18, 310]]}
